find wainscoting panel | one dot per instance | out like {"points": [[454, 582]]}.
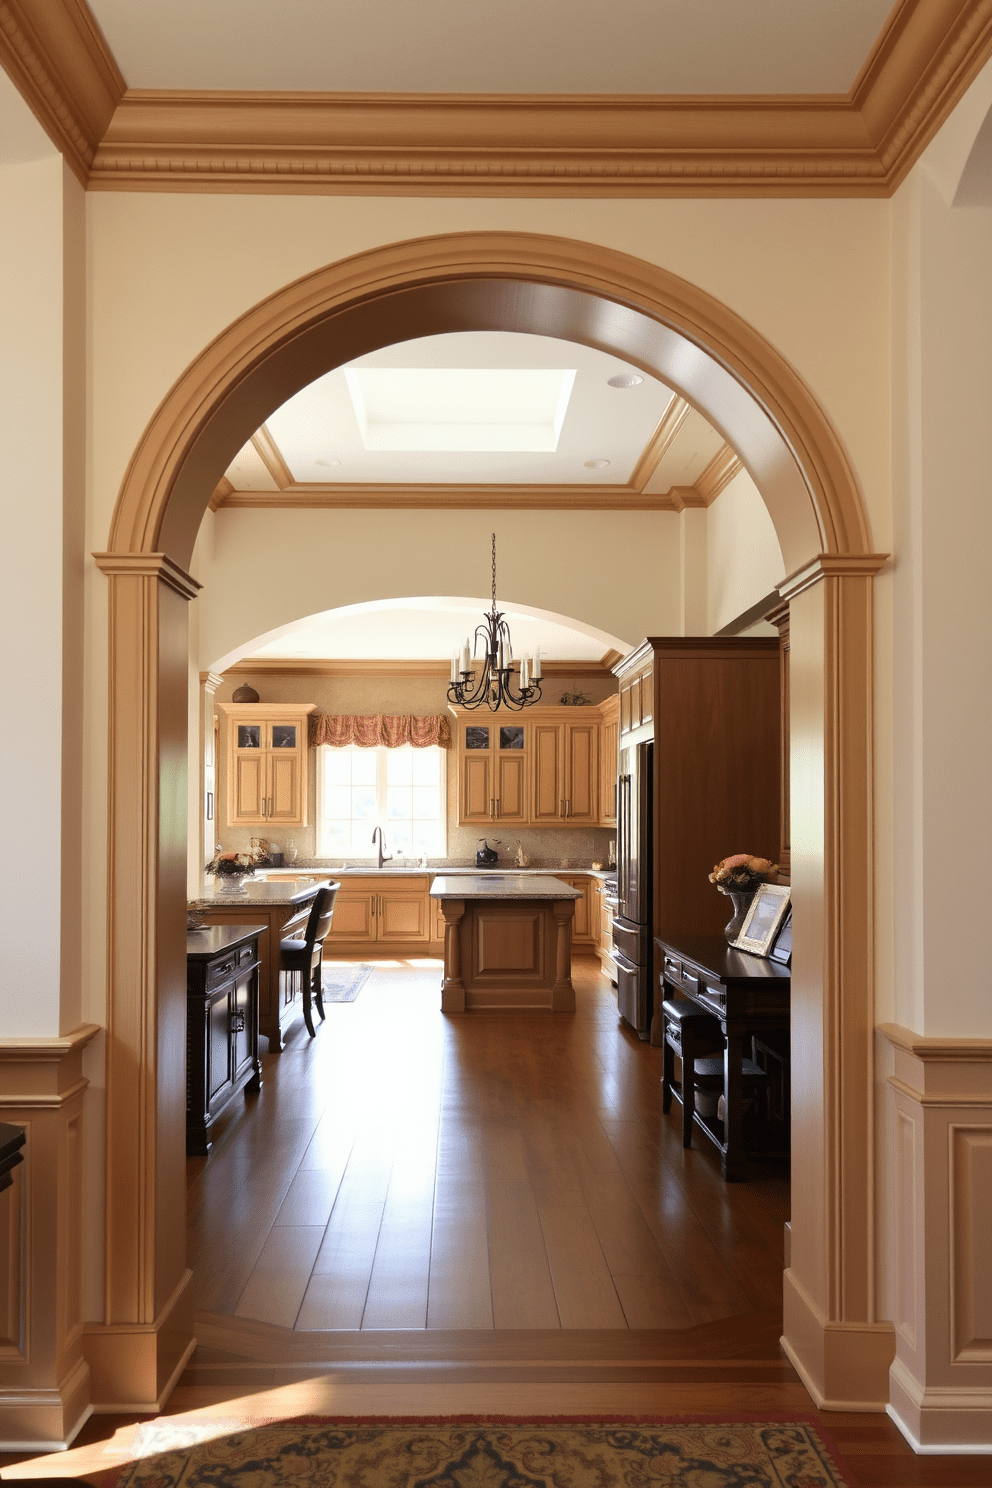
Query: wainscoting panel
{"points": [[940, 1094], [44, 1378]]}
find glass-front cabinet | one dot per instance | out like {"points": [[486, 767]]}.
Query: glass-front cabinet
{"points": [[492, 771], [266, 760]]}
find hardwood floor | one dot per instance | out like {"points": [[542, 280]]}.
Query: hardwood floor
{"points": [[498, 1171], [482, 1215]]}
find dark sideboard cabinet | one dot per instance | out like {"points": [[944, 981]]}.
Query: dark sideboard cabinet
{"points": [[222, 971]]}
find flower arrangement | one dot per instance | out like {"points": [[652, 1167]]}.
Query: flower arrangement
{"points": [[742, 873], [230, 865]]}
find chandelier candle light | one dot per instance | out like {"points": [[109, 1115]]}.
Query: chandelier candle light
{"points": [[494, 684]]}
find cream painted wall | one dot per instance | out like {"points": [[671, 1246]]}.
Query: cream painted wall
{"points": [[168, 272], [743, 557], [942, 608], [42, 402], [267, 568]]}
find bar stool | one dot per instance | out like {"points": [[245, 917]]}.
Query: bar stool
{"points": [[302, 957], [689, 1032]]}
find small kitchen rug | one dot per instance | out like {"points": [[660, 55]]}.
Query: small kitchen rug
{"points": [[343, 983], [317, 1452]]}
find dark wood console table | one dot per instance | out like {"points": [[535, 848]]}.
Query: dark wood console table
{"points": [[222, 967], [749, 995]]}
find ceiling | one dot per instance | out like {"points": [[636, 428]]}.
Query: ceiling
{"points": [[494, 46], [514, 98], [613, 425]]}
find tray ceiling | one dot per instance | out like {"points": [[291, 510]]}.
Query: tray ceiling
{"points": [[635, 444], [495, 46]]}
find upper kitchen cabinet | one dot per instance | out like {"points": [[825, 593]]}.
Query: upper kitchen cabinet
{"points": [[541, 769], [566, 762], [493, 763], [266, 758]]}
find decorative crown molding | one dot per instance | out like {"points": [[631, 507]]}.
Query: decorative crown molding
{"points": [[56, 55], [857, 144]]}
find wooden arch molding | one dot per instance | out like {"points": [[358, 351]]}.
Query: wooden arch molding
{"points": [[498, 281], [661, 323]]}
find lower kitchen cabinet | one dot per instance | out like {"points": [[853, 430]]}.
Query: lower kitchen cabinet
{"points": [[388, 915], [585, 927], [222, 965]]}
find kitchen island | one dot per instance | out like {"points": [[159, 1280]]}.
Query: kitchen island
{"points": [[282, 908], [507, 941]]}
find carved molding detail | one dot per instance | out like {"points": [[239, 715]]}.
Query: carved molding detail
{"points": [[857, 144]]}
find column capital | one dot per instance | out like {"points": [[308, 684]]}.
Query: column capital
{"points": [[152, 565], [832, 566]]}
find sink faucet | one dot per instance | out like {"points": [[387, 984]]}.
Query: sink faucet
{"points": [[384, 857]]}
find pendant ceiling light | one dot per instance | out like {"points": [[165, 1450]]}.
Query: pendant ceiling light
{"points": [[493, 686]]}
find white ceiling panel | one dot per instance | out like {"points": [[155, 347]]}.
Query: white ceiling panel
{"points": [[320, 439], [494, 46]]}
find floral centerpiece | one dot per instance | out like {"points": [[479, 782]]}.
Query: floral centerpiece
{"points": [[233, 865], [739, 876]]}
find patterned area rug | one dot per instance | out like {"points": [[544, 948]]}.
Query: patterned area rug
{"points": [[343, 983], [453, 1453]]}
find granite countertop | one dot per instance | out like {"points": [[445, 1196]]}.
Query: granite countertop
{"points": [[357, 871], [278, 891], [491, 885]]}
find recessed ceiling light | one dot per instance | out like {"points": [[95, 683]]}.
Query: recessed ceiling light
{"points": [[595, 464], [329, 461], [624, 380]]}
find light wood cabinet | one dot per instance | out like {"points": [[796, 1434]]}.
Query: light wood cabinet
{"points": [[266, 763], [492, 772], [585, 927], [609, 734], [371, 911], [544, 772]]}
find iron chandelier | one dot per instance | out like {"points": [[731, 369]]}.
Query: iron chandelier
{"points": [[493, 687]]}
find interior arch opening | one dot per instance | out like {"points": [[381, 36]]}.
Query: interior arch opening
{"points": [[601, 299]]}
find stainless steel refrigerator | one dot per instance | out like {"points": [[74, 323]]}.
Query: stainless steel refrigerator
{"points": [[632, 925]]}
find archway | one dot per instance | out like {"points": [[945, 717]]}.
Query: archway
{"points": [[579, 292]]}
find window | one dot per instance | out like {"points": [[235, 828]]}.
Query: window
{"points": [[401, 790]]}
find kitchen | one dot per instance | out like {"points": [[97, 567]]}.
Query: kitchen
{"points": [[365, 659]]}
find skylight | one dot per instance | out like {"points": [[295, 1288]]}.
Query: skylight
{"points": [[460, 409]]}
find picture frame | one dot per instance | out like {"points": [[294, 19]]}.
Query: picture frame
{"points": [[781, 951], [764, 917]]}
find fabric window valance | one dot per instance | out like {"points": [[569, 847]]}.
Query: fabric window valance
{"points": [[369, 730]]}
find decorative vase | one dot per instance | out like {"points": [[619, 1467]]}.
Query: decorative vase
{"points": [[742, 903]]}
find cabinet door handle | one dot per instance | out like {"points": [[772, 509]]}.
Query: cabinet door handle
{"points": [[263, 807], [568, 806], [561, 806], [497, 805], [238, 1020]]}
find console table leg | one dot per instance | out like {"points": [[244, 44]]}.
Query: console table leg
{"points": [[734, 1161]]}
